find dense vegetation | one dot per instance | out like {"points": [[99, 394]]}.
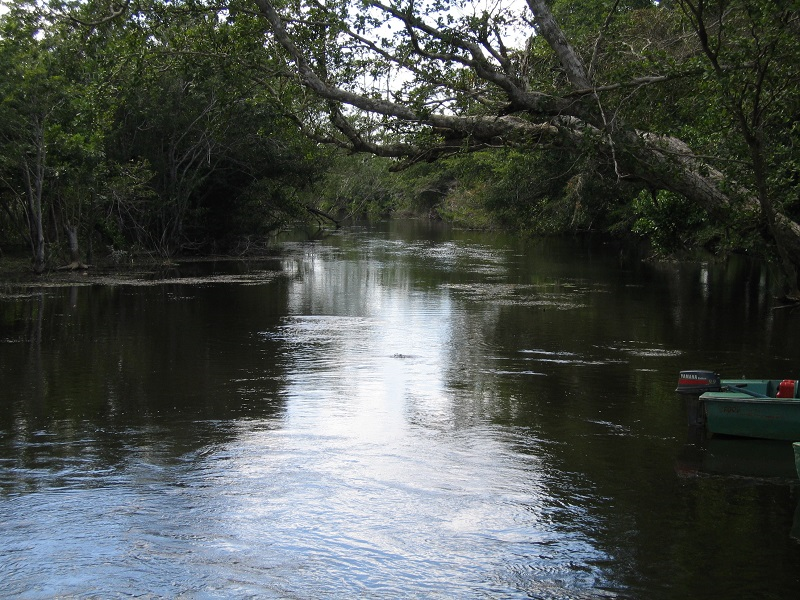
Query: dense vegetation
{"points": [[151, 134], [205, 125]]}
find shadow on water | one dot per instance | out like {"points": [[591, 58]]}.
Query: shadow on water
{"points": [[97, 373], [741, 462], [768, 460]]}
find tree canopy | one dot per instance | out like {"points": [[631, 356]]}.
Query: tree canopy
{"points": [[661, 117], [149, 133], [695, 98]]}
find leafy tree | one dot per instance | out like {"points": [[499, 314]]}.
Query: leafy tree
{"points": [[603, 111], [751, 48], [463, 87], [161, 131], [201, 118], [55, 118], [30, 103]]}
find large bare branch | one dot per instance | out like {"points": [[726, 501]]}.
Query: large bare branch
{"points": [[113, 13], [548, 28], [484, 128], [575, 119]]}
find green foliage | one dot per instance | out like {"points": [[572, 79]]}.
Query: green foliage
{"points": [[670, 222], [150, 132], [537, 193], [174, 127], [359, 186]]}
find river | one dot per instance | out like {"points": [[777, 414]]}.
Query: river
{"points": [[393, 411]]}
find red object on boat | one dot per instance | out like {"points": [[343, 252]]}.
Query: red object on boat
{"points": [[786, 388]]}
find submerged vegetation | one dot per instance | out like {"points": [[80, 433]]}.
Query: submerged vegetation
{"points": [[204, 126]]}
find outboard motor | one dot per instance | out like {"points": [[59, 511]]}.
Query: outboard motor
{"points": [[694, 383]]}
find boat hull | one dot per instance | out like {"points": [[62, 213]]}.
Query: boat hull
{"points": [[796, 446], [733, 413]]}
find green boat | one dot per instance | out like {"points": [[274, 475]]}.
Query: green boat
{"points": [[796, 447], [754, 408]]}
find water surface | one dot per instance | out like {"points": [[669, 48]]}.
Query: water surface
{"points": [[395, 411]]}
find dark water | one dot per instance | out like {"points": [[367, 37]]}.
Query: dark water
{"points": [[393, 412]]}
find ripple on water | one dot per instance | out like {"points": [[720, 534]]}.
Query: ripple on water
{"points": [[293, 512], [642, 350], [566, 358], [550, 296]]}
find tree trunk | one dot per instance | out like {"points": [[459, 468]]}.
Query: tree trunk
{"points": [[74, 247], [570, 61], [33, 173]]}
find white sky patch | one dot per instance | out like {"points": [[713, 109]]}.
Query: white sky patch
{"points": [[391, 80]]}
